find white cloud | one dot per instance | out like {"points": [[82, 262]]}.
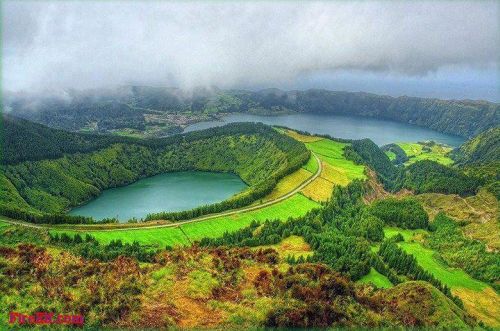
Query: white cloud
{"points": [[90, 44]]}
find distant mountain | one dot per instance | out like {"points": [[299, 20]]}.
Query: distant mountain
{"points": [[143, 107]]}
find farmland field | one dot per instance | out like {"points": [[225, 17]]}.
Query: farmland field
{"points": [[288, 183], [295, 206], [418, 152], [341, 169], [311, 165]]}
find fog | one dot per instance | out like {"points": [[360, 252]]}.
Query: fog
{"points": [[340, 45]]}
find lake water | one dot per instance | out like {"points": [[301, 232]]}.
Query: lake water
{"points": [[166, 192], [351, 127]]}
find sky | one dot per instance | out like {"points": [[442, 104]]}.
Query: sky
{"points": [[438, 49]]}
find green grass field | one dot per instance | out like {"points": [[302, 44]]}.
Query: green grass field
{"points": [[332, 152], [376, 278], [416, 152], [295, 206], [311, 165], [452, 277]]}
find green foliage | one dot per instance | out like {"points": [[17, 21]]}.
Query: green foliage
{"points": [[407, 265], [429, 176], [459, 251], [89, 248], [400, 156], [480, 158], [22, 140], [482, 149], [406, 213], [367, 152], [338, 233]]}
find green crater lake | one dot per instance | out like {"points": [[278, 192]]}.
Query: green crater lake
{"points": [[166, 192]]}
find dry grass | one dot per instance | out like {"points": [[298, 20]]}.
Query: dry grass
{"points": [[301, 137], [291, 246], [481, 211], [318, 190], [484, 305], [287, 184]]}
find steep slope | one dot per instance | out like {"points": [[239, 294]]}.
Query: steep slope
{"points": [[480, 157], [482, 149]]}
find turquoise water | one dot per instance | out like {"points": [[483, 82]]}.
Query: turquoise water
{"points": [[382, 132], [166, 192]]}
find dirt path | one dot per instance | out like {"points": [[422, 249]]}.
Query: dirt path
{"points": [[78, 227]]}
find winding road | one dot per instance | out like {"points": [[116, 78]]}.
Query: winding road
{"points": [[88, 228]]}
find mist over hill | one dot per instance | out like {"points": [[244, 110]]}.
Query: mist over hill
{"points": [[165, 110]]}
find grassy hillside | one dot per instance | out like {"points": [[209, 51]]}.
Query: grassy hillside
{"points": [[478, 214], [336, 168], [320, 258], [480, 157], [482, 149], [478, 297], [376, 278], [207, 288]]}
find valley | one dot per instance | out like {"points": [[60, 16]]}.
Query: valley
{"points": [[248, 165], [305, 204]]}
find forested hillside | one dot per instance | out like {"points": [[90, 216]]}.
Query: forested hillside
{"points": [[158, 109], [23, 140], [482, 149], [257, 153], [480, 157]]}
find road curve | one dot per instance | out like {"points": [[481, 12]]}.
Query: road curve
{"points": [[198, 219]]}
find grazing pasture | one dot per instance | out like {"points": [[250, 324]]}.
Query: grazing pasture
{"points": [[426, 151]]}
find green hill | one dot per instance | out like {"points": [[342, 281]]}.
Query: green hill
{"points": [[68, 169], [480, 157], [482, 149]]}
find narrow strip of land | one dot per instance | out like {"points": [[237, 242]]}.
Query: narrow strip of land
{"points": [[79, 227]]}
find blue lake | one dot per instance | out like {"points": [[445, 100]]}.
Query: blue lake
{"points": [[351, 127]]}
